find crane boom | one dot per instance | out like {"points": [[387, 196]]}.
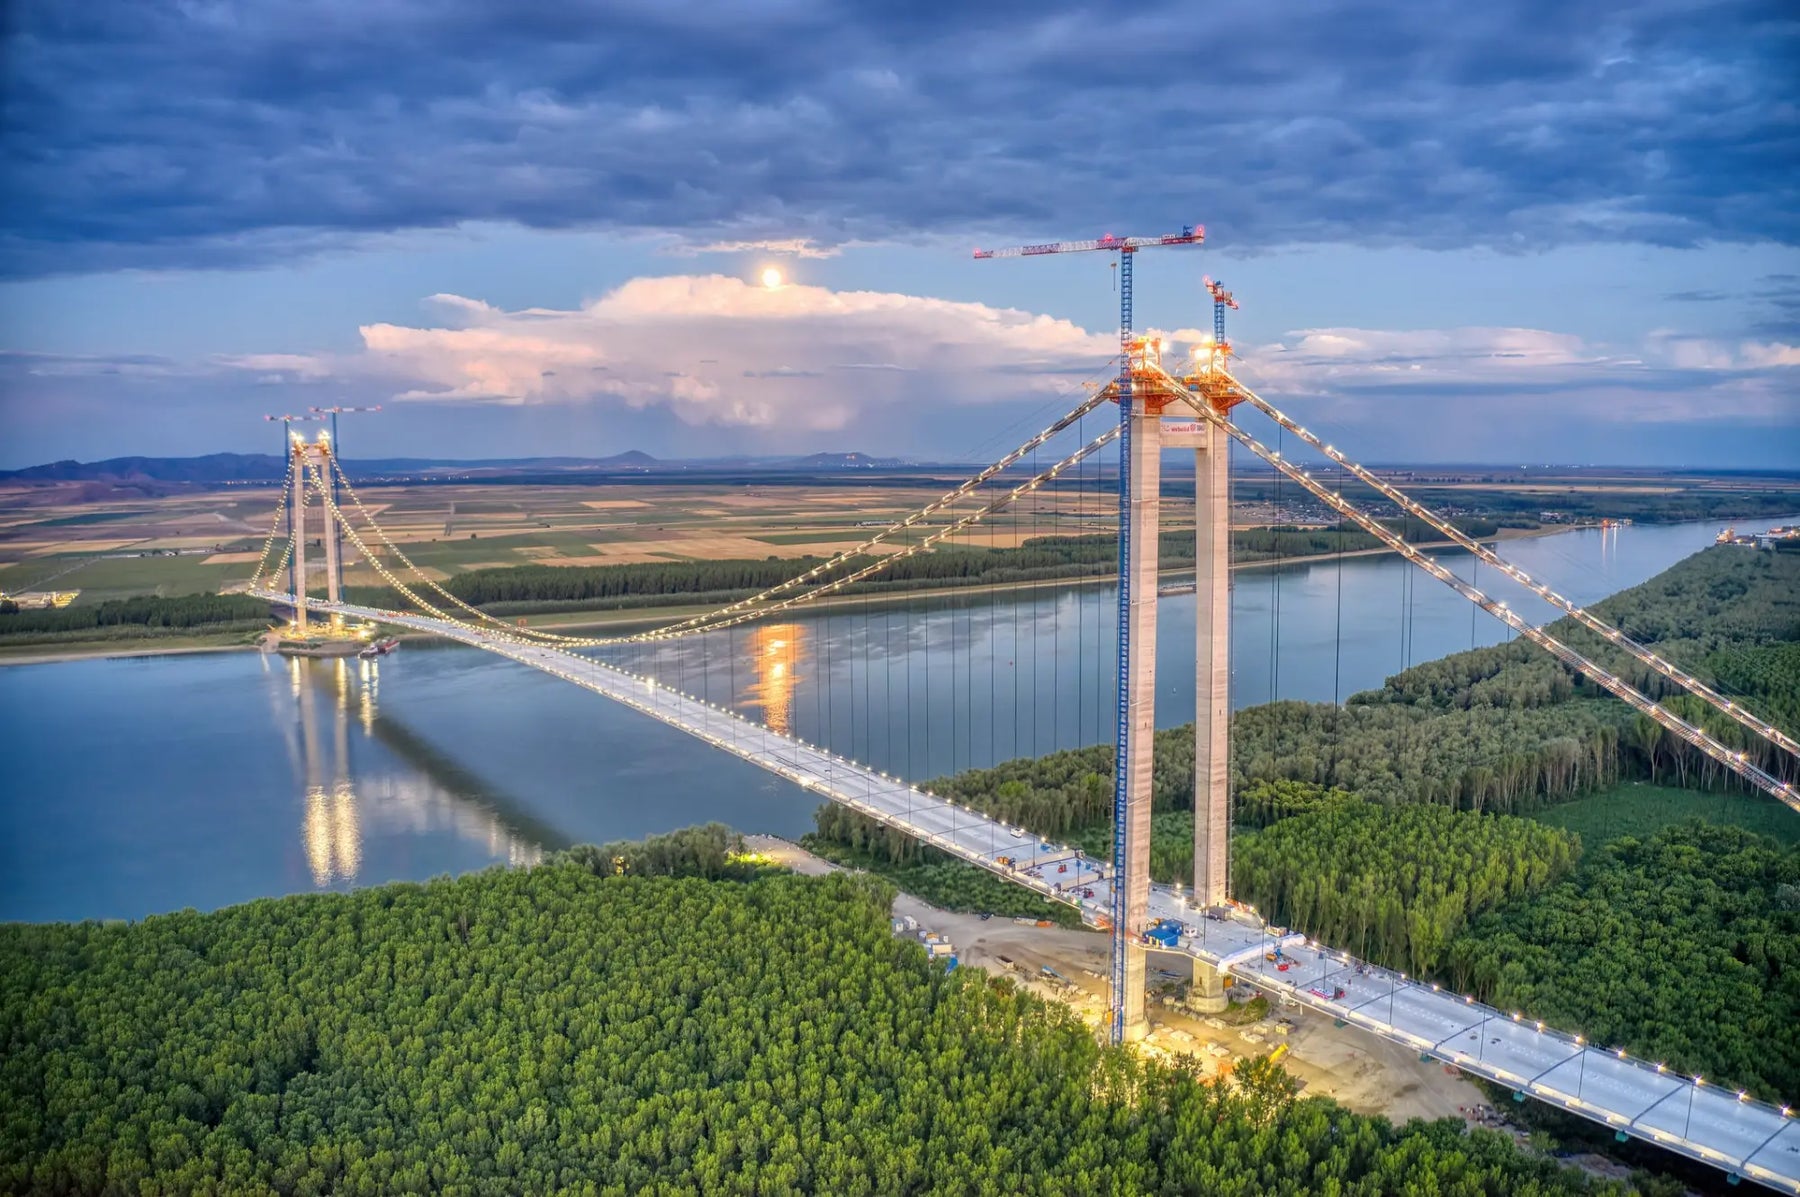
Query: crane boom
{"points": [[1190, 234]]}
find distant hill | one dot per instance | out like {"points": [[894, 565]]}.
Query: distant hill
{"points": [[266, 467]]}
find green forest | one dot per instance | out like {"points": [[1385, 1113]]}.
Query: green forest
{"points": [[562, 1030], [1393, 884], [1683, 947], [946, 883]]}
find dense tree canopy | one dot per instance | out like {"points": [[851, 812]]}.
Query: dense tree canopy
{"points": [[554, 1031], [1684, 948], [1394, 884]]}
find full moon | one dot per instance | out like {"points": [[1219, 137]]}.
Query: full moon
{"points": [[771, 278]]}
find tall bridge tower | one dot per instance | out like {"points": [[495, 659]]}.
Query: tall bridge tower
{"points": [[1142, 392], [313, 459], [1147, 399]]}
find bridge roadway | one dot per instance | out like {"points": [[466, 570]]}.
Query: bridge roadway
{"points": [[1635, 1098]]}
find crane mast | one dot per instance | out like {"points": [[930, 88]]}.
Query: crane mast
{"points": [[1140, 463]]}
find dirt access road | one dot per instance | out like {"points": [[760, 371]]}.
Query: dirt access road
{"points": [[1367, 1074]]}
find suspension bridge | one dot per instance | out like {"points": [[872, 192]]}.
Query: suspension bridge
{"points": [[1160, 406]]}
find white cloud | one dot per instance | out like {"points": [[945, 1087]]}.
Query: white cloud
{"points": [[1669, 378], [718, 350]]}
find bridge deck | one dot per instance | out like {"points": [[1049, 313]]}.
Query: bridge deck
{"points": [[1704, 1122]]}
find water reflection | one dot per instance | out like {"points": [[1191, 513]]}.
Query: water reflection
{"points": [[340, 809], [777, 655]]}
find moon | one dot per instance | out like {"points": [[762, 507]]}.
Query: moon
{"points": [[771, 278]]}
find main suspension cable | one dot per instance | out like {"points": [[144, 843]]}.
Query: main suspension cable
{"points": [[1001, 502], [281, 504], [1593, 623], [1737, 762], [947, 499]]}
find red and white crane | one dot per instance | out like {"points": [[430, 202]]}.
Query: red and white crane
{"points": [[1191, 234]]}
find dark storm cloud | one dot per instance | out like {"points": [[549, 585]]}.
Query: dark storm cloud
{"points": [[155, 133]]}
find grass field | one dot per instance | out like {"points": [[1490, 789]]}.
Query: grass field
{"points": [[1638, 809]]}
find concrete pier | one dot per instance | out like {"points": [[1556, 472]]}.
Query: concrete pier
{"points": [[1140, 747]]}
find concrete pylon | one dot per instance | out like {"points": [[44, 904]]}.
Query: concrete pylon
{"points": [[299, 509], [1146, 503], [1212, 691], [334, 588]]}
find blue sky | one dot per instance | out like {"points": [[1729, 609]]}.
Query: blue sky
{"points": [[1526, 232]]}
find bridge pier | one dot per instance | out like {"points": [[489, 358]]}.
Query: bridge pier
{"points": [[1206, 993], [1140, 746], [1212, 675], [334, 586], [299, 508], [1212, 668]]}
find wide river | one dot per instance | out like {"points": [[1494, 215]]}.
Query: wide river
{"points": [[138, 785]]}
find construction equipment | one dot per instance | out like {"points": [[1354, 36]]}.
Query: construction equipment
{"points": [[1221, 300], [1131, 808], [334, 413]]}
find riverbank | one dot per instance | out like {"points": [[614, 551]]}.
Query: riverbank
{"points": [[637, 618], [94, 650], [640, 617]]}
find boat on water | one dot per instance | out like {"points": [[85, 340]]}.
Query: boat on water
{"points": [[379, 648]]}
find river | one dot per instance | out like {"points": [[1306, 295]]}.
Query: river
{"points": [[139, 785]]}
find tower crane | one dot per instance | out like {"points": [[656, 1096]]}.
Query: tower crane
{"points": [[1127, 870], [287, 427], [334, 413], [1221, 300], [1125, 247], [1211, 375]]}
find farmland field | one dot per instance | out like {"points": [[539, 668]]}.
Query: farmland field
{"points": [[113, 550]]}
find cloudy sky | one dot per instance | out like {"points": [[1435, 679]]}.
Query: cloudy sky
{"points": [[1512, 231]]}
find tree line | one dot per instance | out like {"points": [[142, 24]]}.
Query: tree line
{"points": [[846, 838], [710, 850], [1729, 615], [143, 612], [550, 1030], [521, 589]]}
